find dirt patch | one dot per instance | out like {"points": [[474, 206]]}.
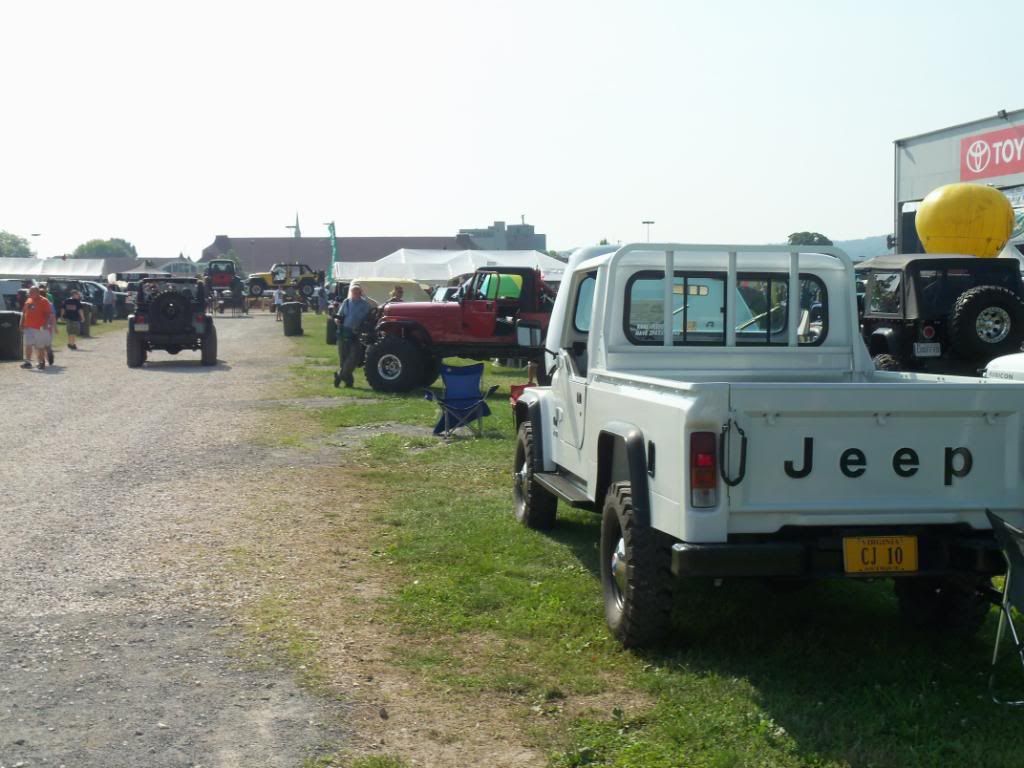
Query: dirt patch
{"points": [[323, 560]]}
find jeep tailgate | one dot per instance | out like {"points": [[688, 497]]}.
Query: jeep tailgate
{"points": [[847, 453]]}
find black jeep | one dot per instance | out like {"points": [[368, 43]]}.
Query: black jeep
{"points": [[942, 314], [170, 314]]}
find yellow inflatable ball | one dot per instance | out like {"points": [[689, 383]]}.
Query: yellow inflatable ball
{"points": [[965, 218]]}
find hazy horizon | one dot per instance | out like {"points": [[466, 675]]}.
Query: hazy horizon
{"points": [[735, 121]]}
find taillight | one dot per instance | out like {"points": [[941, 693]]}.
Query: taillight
{"points": [[139, 319], [703, 470], [928, 332], [200, 318]]}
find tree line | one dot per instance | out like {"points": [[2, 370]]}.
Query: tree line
{"points": [[16, 246]]}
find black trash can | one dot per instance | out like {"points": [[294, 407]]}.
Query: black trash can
{"points": [[332, 331], [292, 314], [11, 347], [87, 320]]}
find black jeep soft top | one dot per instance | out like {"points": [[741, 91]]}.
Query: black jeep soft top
{"points": [[947, 313], [170, 314]]}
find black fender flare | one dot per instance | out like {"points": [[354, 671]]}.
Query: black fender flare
{"points": [[531, 412], [407, 329], [620, 436]]}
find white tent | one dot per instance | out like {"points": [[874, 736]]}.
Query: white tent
{"points": [[439, 267], [83, 269]]}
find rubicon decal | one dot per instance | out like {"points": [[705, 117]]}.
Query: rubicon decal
{"points": [[997, 153], [957, 463]]}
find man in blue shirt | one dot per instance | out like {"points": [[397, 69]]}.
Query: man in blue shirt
{"points": [[350, 317]]}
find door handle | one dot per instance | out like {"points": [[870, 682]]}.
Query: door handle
{"points": [[579, 398]]}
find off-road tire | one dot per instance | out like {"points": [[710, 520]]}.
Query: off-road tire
{"points": [[431, 369], [957, 607], [969, 340], [158, 317], [535, 507], [307, 289], [886, 363], [256, 288], [136, 349], [394, 364], [637, 606], [209, 350]]}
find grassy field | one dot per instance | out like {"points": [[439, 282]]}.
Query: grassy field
{"points": [[825, 676]]}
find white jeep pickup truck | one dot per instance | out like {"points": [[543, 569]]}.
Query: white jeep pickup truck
{"points": [[755, 438]]}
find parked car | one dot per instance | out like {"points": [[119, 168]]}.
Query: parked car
{"points": [[299, 277], [503, 313], [720, 435], [944, 314]]}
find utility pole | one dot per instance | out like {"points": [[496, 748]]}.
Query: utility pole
{"points": [[648, 223]]}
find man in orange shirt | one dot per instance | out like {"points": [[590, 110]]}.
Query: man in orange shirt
{"points": [[37, 327]]}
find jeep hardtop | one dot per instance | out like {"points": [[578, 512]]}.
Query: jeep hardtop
{"points": [[941, 313], [170, 315], [728, 422], [501, 312]]}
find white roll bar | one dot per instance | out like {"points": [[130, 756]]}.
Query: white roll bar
{"points": [[733, 252]]}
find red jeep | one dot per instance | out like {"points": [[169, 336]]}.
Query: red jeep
{"points": [[500, 312]]}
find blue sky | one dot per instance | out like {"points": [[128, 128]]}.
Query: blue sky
{"points": [[730, 121]]}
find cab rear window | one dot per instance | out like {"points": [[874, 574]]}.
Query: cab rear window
{"points": [[699, 309]]}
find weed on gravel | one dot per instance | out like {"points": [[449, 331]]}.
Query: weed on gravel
{"points": [[478, 607]]}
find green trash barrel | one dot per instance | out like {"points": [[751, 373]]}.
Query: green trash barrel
{"points": [[87, 319], [292, 314], [332, 331]]}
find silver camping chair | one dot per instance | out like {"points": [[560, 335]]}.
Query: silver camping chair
{"points": [[1011, 542]]}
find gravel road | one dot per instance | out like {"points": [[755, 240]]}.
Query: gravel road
{"points": [[117, 505]]}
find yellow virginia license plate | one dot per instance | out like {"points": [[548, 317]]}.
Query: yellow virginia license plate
{"points": [[880, 554]]}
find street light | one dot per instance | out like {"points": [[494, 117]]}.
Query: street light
{"points": [[647, 223]]}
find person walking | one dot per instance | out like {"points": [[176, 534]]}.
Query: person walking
{"points": [[350, 316], [71, 311], [278, 301], [109, 304], [36, 319]]}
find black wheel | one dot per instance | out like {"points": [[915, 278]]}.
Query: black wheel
{"points": [[431, 369], [987, 321], [307, 289], [535, 507], [394, 364], [636, 575], [886, 363], [136, 350], [209, 350], [256, 289], [946, 604]]}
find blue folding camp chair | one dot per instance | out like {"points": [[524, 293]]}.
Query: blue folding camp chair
{"points": [[1011, 542], [462, 403]]}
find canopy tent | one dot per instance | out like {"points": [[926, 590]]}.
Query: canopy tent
{"points": [[440, 267], [82, 269]]}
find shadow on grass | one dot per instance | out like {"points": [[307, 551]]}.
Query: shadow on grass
{"points": [[832, 664]]}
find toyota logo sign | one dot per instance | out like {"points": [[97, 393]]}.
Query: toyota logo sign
{"points": [[997, 153], [978, 155]]}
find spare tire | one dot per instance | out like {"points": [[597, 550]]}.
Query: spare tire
{"points": [[987, 321], [170, 312]]}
